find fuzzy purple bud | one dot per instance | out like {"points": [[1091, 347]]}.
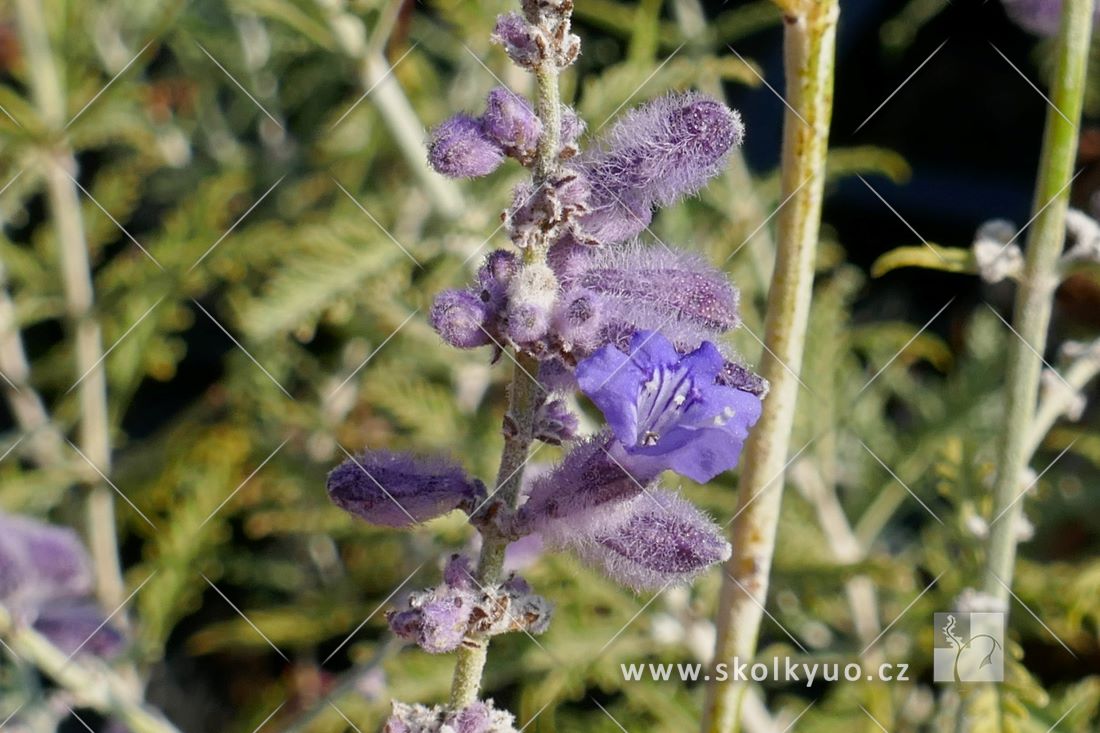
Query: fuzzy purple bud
{"points": [[510, 122], [578, 319], [651, 288], [494, 276], [555, 423], [572, 127], [461, 318], [658, 540], [437, 620], [527, 323], [459, 573], [460, 149], [478, 717], [522, 41], [658, 153], [400, 490], [592, 474]]}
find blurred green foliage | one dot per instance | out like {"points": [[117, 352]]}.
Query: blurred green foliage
{"points": [[253, 150]]}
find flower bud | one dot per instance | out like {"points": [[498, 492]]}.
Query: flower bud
{"points": [[658, 540], [522, 41], [554, 423], [41, 562], [461, 318], [460, 149], [510, 122], [527, 323], [400, 490], [79, 627]]}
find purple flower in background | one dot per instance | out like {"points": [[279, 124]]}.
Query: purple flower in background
{"points": [[460, 149], [1040, 17], [401, 490], [655, 540], [668, 410], [40, 562], [656, 154], [79, 627]]}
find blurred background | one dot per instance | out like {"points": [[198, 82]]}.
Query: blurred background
{"points": [[266, 239]]}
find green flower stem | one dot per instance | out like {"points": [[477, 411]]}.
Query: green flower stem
{"points": [[524, 398], [92, 683], [57, 162], [1035, 292], [809, 41]]}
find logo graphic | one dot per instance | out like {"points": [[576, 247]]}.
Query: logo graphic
{"points": [[969, 647]]}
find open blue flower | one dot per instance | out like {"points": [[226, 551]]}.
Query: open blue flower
{"points": [[668, 410]]}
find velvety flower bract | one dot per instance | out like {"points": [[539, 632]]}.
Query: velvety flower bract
{"points": [[478, 717], [668, 410], [400, 490], [657, 540], [460, 149]]}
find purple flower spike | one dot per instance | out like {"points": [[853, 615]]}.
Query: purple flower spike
{"points": [[79, 627], [668, 410], [594, 473], [657, 154], [400, 490], [461, 319], [653, 288], [459, 149], [510, 122], [658, 540]]}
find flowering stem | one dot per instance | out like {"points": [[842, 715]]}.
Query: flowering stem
{"points": [[809, 41], [525, 396], [1082, 371], [76, 276], [1035, 292]]}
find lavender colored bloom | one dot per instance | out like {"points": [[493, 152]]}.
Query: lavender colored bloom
{"points": [[461, 318], [1040, 17], [460, 149], [510, 122], [522, 41], [400, 490], [668, 410], [554, 423], [657, 154], [591, 475], [79, 627], [654, 288], [657, 540], [523, 553]]}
